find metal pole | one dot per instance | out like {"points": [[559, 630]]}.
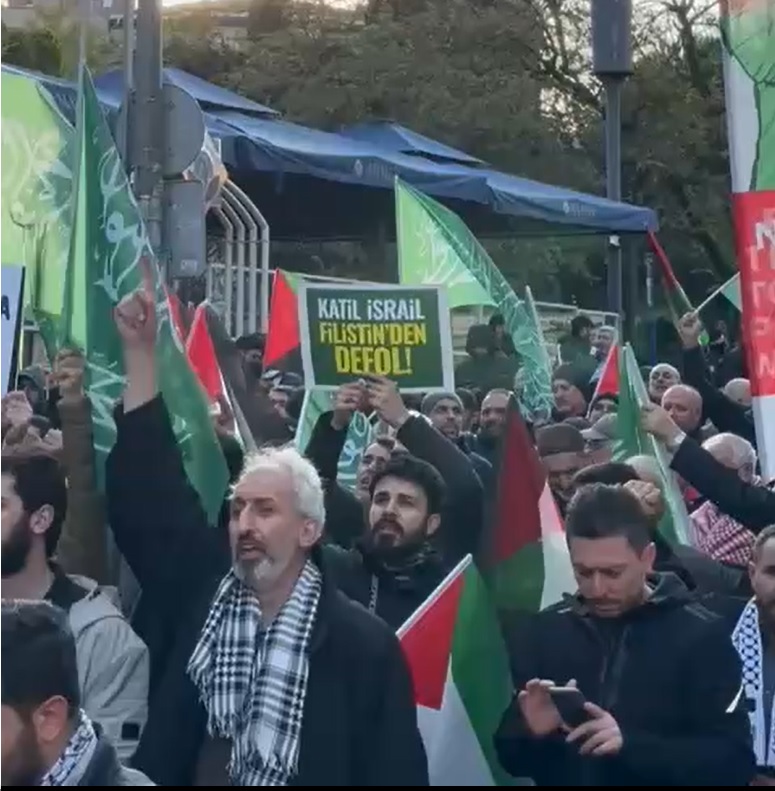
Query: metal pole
{"points": [[613, 168], [148, 135], [129, 82]]}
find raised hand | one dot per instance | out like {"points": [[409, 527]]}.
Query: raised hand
{"points": [[135, 315], [347, 402], [386, 401], [68, 374], [690, 329]]}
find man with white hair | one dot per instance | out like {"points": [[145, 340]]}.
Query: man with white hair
{"points": [[271, 676], [662, 377], [713, 531], [739, 391]]}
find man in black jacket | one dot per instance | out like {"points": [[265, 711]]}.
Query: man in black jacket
{"points": [[394, 567], [48, 740], [659, 674], [330, 702]]}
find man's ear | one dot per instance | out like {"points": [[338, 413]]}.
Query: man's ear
{"points": [[434, 522], [40, 520], [310, 534], [51, 720]]}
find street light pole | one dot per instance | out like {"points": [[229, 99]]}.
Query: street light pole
{"points": [[147, 121], [612, 63]]}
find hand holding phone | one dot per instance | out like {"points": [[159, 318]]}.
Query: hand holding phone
{"points": [[570, 703]]}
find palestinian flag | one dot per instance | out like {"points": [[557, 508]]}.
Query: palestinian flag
{"points": [[282, 351], [632, 440], [462, 683], [524, 557], [201, 355], [730, 291], [677, 301], [608, 383]]}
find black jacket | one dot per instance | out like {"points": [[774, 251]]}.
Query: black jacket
{"points": [[753, 506], [667, 672], [698, 571], [394, 595], [461, 520], [359, 725]]}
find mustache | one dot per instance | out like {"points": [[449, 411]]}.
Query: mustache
{"points": [[388, 523], [250, 544]]}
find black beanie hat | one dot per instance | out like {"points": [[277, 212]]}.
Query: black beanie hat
{"points": [[575, 375]]}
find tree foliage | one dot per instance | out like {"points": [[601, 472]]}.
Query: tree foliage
{"points": [[506, 80]]}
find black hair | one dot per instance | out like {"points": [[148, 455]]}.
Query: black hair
{"points": [[39, 481], [409, 468], [763, 537], [255, 340], [579, 323], [601, 511], [38, 657], [295, 403], [612, 473], [497, 320], [468, 398]]}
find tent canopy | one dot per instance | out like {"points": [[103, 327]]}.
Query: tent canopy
{"points": [[400, 140], [209, 96], [311, 184]]}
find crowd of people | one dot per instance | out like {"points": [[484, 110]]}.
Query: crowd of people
{"points": [[262, 650]]}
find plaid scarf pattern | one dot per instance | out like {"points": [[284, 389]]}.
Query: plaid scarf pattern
{"points": [[717, 534], [78, 752], [253, 682]]}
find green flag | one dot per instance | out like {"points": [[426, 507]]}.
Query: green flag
{"points": [[316, 402], [36, 207], [107, 243], [632, 440], [730, 291], [435, 247]]}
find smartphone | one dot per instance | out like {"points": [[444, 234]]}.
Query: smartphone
{"points": [[570, 703]]}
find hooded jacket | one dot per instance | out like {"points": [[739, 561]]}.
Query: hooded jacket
{"points": [[113, 662], [487, 372], [666, 671]]}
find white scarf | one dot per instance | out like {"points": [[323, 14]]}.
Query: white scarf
{"points": [[747, 639], [254, 683], [73, 762]]}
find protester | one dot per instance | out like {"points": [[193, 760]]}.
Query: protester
{"points": [[714, 532], [112, 660], [577, 346], [572, 390], [684, 405], [662, 377], [599, 440], [445, 411], [470, 409], [278, 397], [483, 369], [395, 567], [492, 422], [562, 451], [346, 712], [462, 517], [503, 343], [698, 571], [739, 391], [603, 404], [252, 348], [669, 716], [48, 738], [32, 382], [751, 505]]}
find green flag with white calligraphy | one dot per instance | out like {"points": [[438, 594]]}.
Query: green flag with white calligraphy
{"points": [[108, 241], [435, 247]]}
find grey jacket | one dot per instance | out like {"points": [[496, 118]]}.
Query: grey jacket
{"points": [[113, 662]]}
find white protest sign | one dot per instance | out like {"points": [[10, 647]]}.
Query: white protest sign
{"points": [[13, 285]]}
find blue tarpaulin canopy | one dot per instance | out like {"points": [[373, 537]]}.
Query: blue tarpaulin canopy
{"points": [[394, 137], [209, 96], [311, 184]]}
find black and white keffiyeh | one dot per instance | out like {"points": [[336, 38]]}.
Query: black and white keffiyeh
{"points": [[747, 639], [253, 683], [73, 762]]}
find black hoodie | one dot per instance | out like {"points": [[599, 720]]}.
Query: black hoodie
{"points": [[666, 671]]}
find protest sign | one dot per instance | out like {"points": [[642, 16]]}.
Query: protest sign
{"points": [[13, 288], [349, 332]]}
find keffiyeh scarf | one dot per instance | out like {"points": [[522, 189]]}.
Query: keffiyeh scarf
{"points": [[253, 683], [717, 534], [747, 639], [73, 762]]}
